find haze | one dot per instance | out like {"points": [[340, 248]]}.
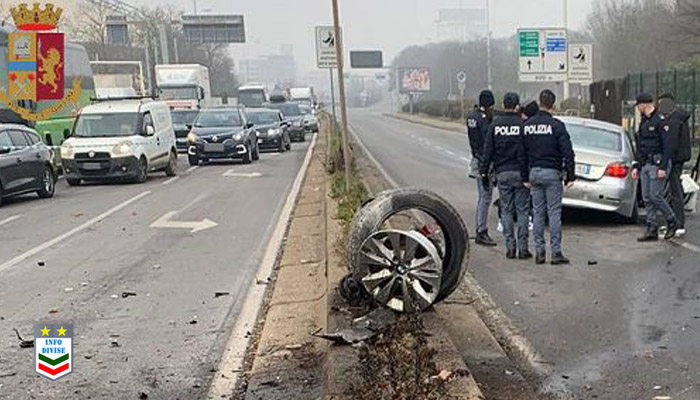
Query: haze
{"points": [[389, 25]]}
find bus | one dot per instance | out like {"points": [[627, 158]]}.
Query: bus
{"points": [[56, 129]]}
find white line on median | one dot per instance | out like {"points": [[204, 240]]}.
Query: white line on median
{"points": [[192, 168], [379, 166], [171, 180], [8, 220], [232, 360], [690, 246], [66, 235]]}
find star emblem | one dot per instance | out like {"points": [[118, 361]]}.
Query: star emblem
{"points": [[45, 331], [61, 332]]}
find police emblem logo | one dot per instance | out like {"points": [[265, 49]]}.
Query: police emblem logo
{"points": [[53, 350], [215, 139], [91, 154]]}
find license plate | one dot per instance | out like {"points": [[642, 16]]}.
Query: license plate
{"points": [[214, 147], [583, 169], [91, 166], [260, 141]]}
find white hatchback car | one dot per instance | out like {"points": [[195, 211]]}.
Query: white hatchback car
{"points": [[123, 139]]}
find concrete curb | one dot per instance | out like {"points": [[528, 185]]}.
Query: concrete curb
{"points": [[432, 122]]}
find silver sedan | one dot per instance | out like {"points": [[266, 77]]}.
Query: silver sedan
{"points": [[604, 156]]}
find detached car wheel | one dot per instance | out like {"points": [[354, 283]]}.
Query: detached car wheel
{"points": [[376, 212]]}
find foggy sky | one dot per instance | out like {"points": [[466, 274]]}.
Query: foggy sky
{"points": [[389, 25]]}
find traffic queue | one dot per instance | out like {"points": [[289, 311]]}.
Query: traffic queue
{"points": [[127, 139], [535, 161]]}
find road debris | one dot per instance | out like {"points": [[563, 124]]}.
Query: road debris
{"points": [[25, 344], [662, 398], [658, 387], [41, 263], [114, 296], [7, 374], [114, 343], [444, 375], [68, 289], [219, 294], [128, 294], [143, 396], [53, 311], [193, 320], [362, 328], [592, 262]]}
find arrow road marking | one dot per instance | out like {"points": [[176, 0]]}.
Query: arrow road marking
{"points": [[164, 222], [8, 220], [233, 173]]}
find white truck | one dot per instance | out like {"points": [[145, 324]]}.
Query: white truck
{"points": [[183, 86], [303, 95]]}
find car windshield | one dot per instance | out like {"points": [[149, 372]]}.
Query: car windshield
{"points": [[263, 118], [595, 138], [305, 109], [218, 119], [184, 117], [178, 93], [107, 125], [288, 110], [251, 97]]}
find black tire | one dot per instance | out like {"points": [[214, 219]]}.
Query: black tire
{"points": [[193, 160], [256, 153], [0, 195], [302, 138], [282, 147], [73, 181], [370, 218], [288, 145], [48, 183], [143, 171], [171, 169], [248, 157], [634, 218]]}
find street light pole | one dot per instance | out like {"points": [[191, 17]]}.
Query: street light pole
{"points": [[489, 76], [566, 27], [341, 93]]}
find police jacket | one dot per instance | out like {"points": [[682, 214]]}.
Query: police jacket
{"points": [[477, 127], [547, 144], [504, 146], [676, 127], [652, 141]]}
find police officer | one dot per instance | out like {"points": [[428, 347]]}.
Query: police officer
{"points": [[503, 148], [678, 132], [550, 158], [652, 162], [477, 126]]}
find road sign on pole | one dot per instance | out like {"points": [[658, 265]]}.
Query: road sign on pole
{"points": [[462, 77], [543, 55], [581, 64], [325, 47]]}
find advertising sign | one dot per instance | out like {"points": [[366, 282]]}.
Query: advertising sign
{"points": [[414, 79]]}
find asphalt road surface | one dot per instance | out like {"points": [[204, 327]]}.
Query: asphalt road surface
{"points": [[71, 259], [626, 328]]}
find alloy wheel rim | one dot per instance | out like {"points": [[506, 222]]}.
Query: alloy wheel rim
{"points": [[48, 181], [401, 269]]}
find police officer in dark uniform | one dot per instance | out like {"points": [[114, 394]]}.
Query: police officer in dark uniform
{"points": [[478, 122], [503, 148], [550, 158], [652, 162]]}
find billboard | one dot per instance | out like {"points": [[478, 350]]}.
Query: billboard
{"points": [[414, 79]]}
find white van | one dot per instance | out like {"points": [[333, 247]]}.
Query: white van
{"points": [[123, 139]]}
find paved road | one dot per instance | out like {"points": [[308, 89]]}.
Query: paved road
{"points": [[615, 330], [95, 243]]}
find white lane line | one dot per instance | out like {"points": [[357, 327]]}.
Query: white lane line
{"points": [[232, 360], [192, 168], [685, 245], [171, 180], [38, 249], [10, 219]]}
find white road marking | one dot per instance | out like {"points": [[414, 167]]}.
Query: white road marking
{"points": [[192, 168], [38, 249], [232, 360], [685, 245], [171, 180], [10, 219], [371, 157], [164, 222], [233, 173]]}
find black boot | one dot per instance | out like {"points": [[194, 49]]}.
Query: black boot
{"points": [[671, 229], [559, 259], [510, 254], [484, 239], [524, 254], [541, 258], [650, 235]]}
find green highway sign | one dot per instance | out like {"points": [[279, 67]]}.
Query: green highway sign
{"points": [[529, 43]]}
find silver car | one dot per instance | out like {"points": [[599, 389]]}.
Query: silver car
{"points": [[604, 156]]}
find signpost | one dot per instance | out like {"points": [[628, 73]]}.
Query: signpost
{"points": [[325, 47], [581, 64], [543, 55], [462, 80]]}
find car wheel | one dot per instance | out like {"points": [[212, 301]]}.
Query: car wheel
{"points": [[634, 218], [171, 169], [373, 214], [288, 145], [0, 195], [143, 171], [73, 181], [193, 160], [256, 154], [48, 184], [302, 138], [282, 147], [248, 157]]}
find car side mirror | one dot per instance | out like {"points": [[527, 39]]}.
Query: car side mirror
{"points": [[150, 130], [249, 125], [5, 150], [188, 126]]}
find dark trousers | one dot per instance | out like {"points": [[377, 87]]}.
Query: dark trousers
{"points": [[677, 195]]}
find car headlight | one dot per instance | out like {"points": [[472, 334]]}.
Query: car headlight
{"points": [[192, 138], [273, 132], [237, 136], [67, 151], [124, 148], [298, 122]]}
